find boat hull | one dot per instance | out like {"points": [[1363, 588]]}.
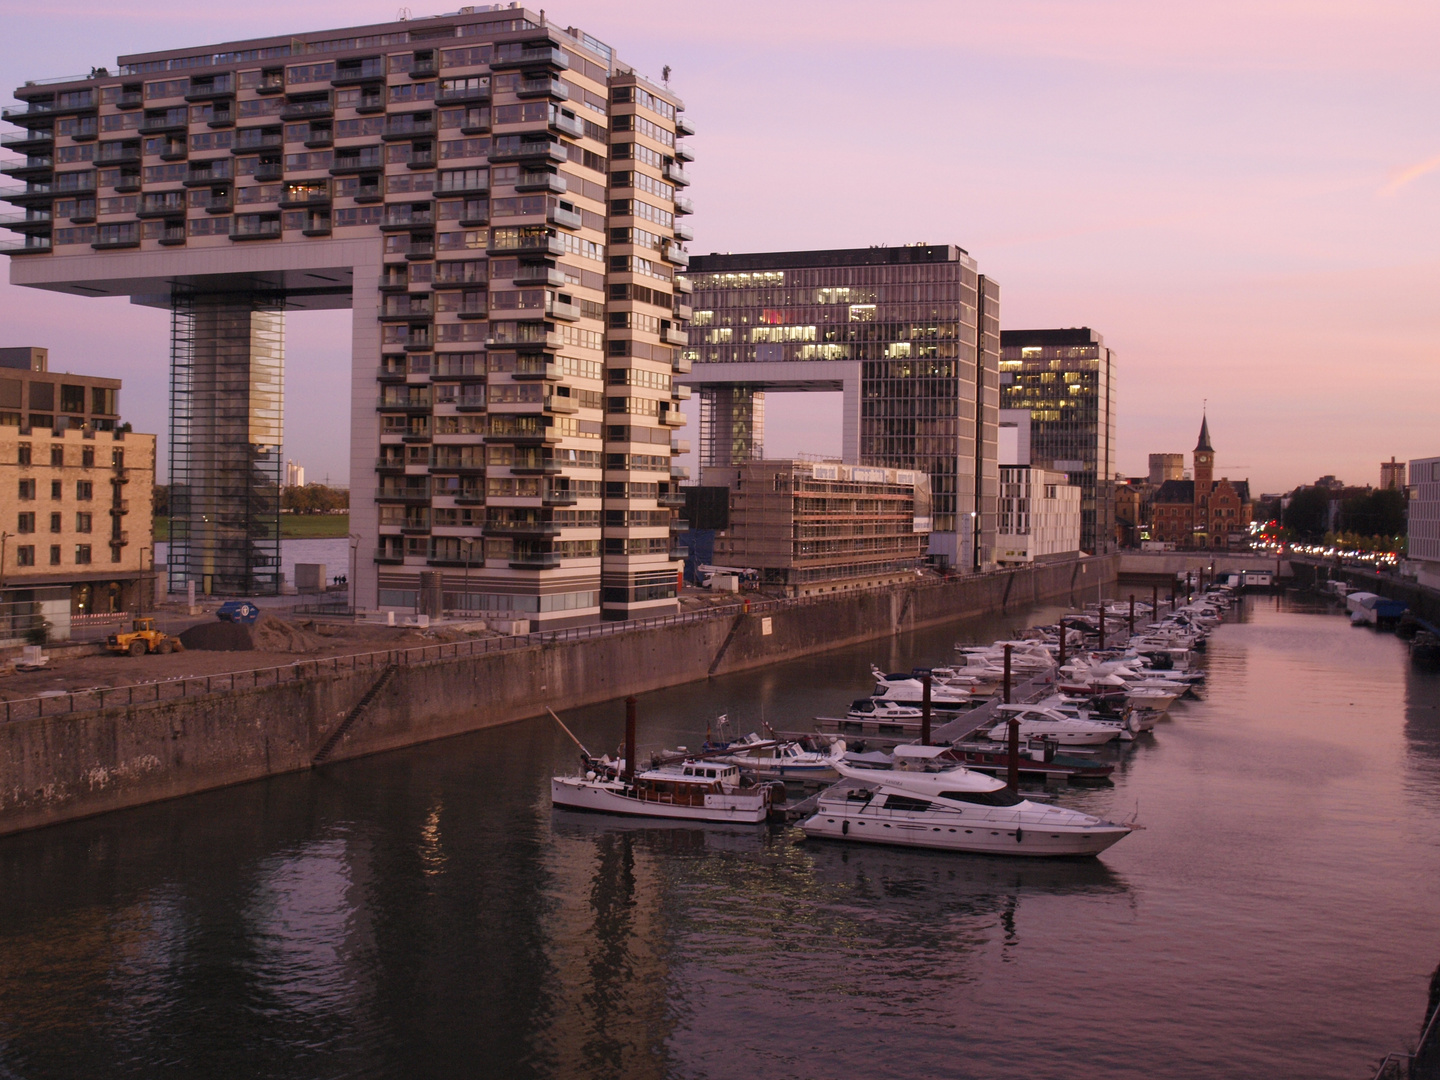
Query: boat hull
{"points": [[576, 793], [975, 837]]}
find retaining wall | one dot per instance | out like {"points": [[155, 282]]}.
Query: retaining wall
{"points": [[57, 768]]}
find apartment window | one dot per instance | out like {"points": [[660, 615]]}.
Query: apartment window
{"points": [[117, 458], [25, 523], [84, 490], [57, 456], [56, 486], [115, 552], [55, 523], [82, 554], [54, 555], [24, 458], [72, 398], [27, 489], [82, 523], [87, 457], [25, 555]]}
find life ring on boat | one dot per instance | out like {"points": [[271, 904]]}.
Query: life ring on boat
{"points": [[845, 828]]}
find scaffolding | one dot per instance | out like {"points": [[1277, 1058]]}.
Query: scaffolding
{"points": [[227, 374]]}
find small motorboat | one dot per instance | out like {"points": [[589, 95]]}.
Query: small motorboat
{"points": [[1036, 721], [771, 760], [953, 810]]}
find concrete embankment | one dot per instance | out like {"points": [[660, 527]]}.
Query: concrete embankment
{"points": [[61, 767]]}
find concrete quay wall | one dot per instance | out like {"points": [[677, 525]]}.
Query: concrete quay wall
{"points": [[59, 768]]}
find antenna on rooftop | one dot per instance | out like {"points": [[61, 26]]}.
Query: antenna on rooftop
{"points": [[665, 74], [403, 15]]}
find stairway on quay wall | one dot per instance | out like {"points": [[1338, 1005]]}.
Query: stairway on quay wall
{"points": [[77, 763]]}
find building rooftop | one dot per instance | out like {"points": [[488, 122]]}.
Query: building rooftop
{"points": [[796, 260], [1075, 335]]}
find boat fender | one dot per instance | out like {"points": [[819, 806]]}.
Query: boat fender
{"points": [[845, 828], [1019, 835]]}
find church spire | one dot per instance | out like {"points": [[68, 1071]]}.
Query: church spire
{"points": [[1204, 443]]}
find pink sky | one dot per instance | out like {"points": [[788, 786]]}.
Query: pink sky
{"points": [[1242, 197]]}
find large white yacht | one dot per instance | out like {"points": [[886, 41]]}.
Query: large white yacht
{"points": [[1036, 721], [954, 810]]}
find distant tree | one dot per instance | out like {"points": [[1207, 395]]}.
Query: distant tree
{"points": [[314, 499], [1307, 513], [162, 500], [1377, 513]]}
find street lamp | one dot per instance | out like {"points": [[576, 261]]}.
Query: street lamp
{"points": [[469, 542], [354, 543], [147, 548]]}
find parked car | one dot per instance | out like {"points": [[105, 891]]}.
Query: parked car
{"points": [[238, 611]]}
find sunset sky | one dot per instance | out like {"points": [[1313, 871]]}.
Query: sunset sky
{"points": [[1243, 197]]}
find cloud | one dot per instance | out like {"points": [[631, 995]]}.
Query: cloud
{"points": [[1414, 172]]}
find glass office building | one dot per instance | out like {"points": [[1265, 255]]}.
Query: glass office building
{"points": [[1065, 379], [909, 335]]}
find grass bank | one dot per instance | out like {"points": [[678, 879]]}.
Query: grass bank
{"points": [[292, 527]]}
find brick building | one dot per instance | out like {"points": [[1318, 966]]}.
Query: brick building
{"points": [[1203, 512]]}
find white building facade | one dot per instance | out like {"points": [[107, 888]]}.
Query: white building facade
{"points": [[1424, 520], [1039, 517]]}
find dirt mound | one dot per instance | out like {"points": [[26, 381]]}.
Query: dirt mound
{"points": [[218, 637], [276, 635]]}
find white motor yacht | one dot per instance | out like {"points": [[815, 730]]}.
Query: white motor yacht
{"points": [[908, 690], [1037, 721], [954, 810], [688, 791]]}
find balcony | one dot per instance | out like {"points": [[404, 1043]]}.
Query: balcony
{"points": [[671, 336], [162, 204], [389, 555], [535, 465], [400, 216], [507, 56], [684, 205], [558, 497], [683, 126], [402, 495], [508, 148], [113, 237], [208, 89], [679, 472], [121, 506], [171, 121], [682, 285], [416, 249], [254, 227], [680, 364], [249, 140], [371, 103], [368, 159], [539, 180], [173, 236], [37, 220], [319, 140], [385, 464], [534, 560], [676, 175], [362, 71], [116, 154], [557, 404], [31, 167], [127, 183], [679, 446], [679, 553], [683, 310], [217, 171], [560, 309], [27, 142], [404, 127], [683, 152], [29, 112], [671, 499], [539, 274], [130, 99], [675, 254], [174, 151], [471, 403], [673, 418], [459, 95], [521, 528], [509, 335], [474, 311], [221, 118], [551, 88], [306, 110], [424, 69], [683, 231], [564, 217], [532, 368], [298, 198], [526, 245], [567, 123], [520, 432], [31, 192], [461, 184], [32, 245], [421, 159], [269, 174], [680, 392]]}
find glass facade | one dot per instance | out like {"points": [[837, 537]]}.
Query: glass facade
{"points": [[1066, 379], [910, 319]]}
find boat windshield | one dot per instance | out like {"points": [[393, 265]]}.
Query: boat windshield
{"points": [[998, 797]]}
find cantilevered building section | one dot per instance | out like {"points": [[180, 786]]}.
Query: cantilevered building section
{"points": [[1065, 379], [499, 201], [909, 335]]}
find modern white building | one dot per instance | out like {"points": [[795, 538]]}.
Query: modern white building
{"points": [[1424, 520], [1039, 516]]}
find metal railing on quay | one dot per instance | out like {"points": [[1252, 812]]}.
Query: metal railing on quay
{"points": [[60, 703]]}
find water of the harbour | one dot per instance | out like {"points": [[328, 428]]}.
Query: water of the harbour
{"points": [[426, 914]]}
